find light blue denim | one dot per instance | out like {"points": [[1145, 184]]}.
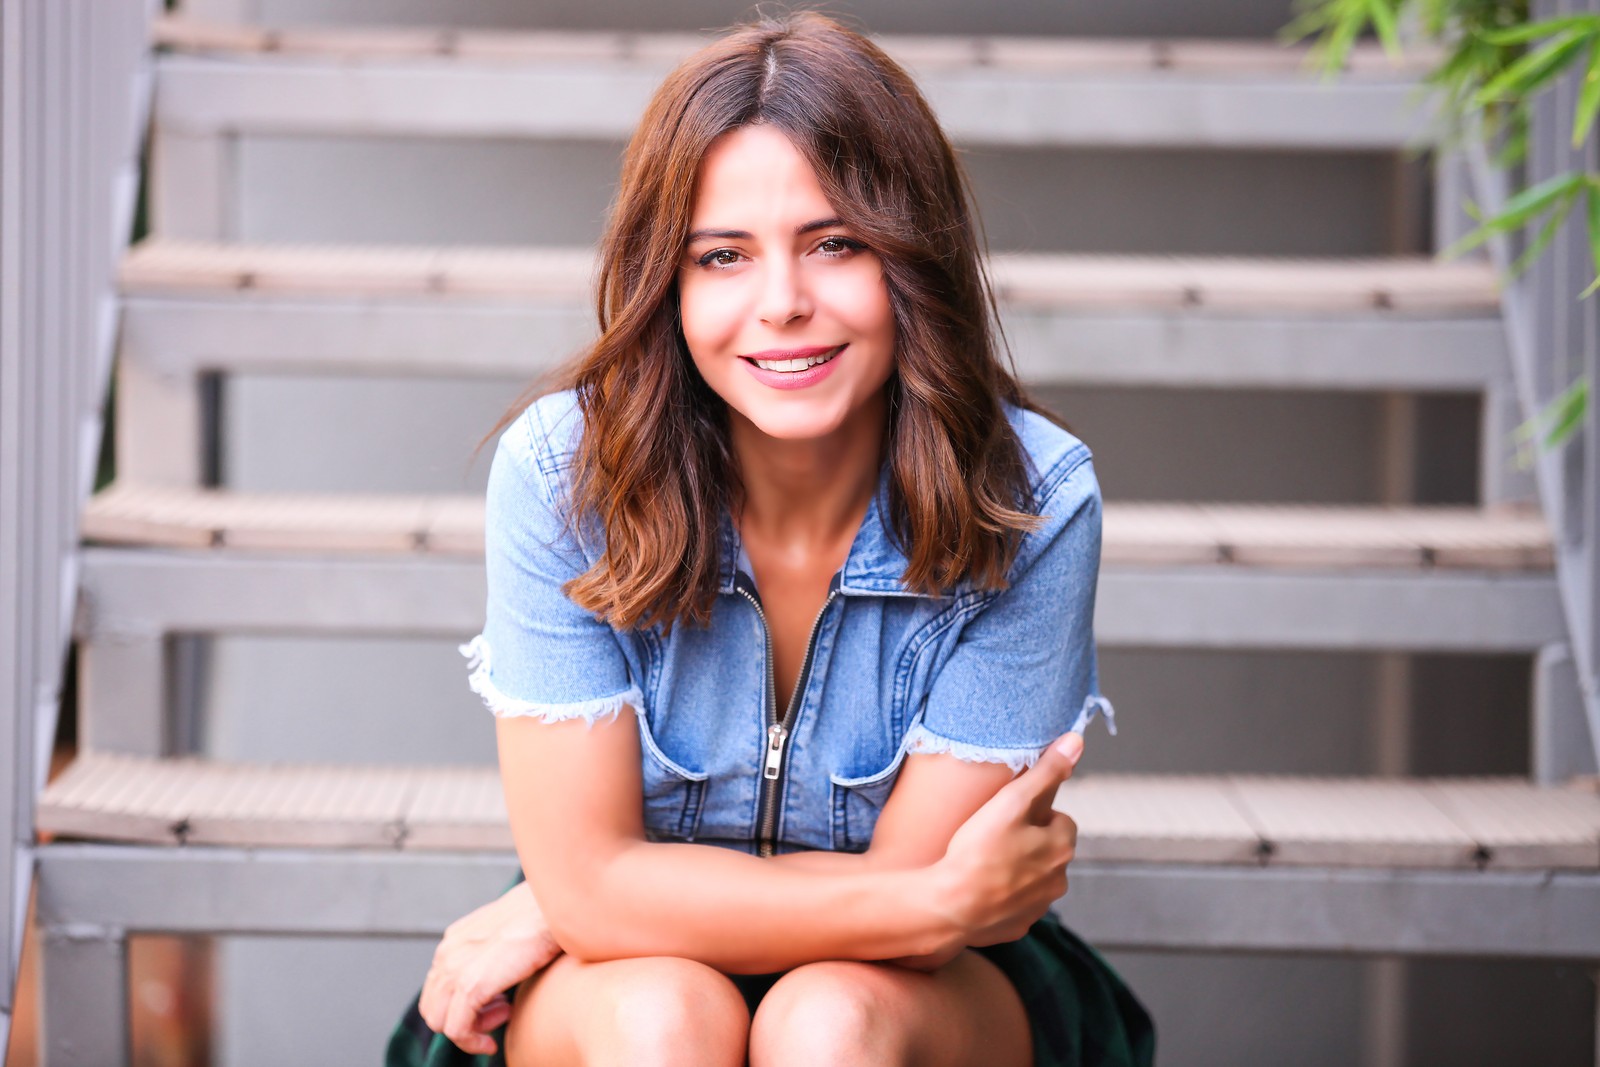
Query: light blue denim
{"points": [[987, 675]]}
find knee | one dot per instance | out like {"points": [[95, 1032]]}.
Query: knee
{"points": [[663, 1011], [839, 1012]]}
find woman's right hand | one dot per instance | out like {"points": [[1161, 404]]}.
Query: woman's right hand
{"points": [[484, 953], [1007, 863]]}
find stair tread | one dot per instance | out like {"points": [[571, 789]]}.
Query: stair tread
{"points": [[1457, 823], [1505, 537], [1217, 56], [1417, 284]]}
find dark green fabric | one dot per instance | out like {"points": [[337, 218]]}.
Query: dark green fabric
{"points": [[1080, 1011]]}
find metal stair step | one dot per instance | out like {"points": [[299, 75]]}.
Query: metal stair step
{"points": [[1173, 575], [1342, 323], [987, 90], [1380, 822], [1507, 537]]}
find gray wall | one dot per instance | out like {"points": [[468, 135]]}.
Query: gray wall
{"points": [[1180, 711]]}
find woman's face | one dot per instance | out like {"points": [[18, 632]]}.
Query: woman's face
{"points": [[771, 276]]}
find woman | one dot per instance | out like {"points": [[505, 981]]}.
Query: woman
{"points": [[789, 557]]}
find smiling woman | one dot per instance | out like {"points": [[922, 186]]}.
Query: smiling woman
{"points": [[789, 630], [783, 309]]}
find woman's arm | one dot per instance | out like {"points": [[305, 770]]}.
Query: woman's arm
{"points": [[573, 798], [932, 796], [572, 794]]}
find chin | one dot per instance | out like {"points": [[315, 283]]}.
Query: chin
{"points": [[796, 427], [801, 421]]}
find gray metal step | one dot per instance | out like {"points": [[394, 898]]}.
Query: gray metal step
{"points": [[986, 90], [1537, 914], [1466, 824], [1177, 575], [1422, 866], [1403, 323]]}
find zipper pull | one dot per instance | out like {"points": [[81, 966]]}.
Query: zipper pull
{"points": [[776, 734]]}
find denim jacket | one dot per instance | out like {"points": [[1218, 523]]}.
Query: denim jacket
{"points": [[986, 675]]}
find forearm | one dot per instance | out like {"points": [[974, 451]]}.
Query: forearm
{"points": [[747, 915]]}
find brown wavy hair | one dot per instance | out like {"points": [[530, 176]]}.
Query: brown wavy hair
{"points": [[655, 468]]}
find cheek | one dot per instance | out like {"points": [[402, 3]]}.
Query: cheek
{"points": [[862, 305], [708, 315]]}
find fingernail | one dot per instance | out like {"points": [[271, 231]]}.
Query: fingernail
{"points": [[1071, 746]]}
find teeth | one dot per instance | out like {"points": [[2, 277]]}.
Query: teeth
{"points": [[793, 364]]}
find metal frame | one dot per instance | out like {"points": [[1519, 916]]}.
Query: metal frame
{"points": [[202, 96], [74, 87], [112, 890], [1552, 339]]}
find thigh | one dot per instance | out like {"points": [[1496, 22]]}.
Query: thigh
{"points": [[658, 1009], [965, 1014]]}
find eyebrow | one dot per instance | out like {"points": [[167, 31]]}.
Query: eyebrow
{"points": [[745, 235]]}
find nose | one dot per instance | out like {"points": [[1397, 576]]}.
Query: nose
{"points": [[784, 294]]}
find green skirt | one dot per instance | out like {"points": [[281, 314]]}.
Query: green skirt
{"points": [[1080, 1011]]}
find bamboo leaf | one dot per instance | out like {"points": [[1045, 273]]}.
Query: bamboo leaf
{"points": [[1546, 232], [1384, 22], [1593, 205], [1528, 31], [1588, 97], [1533, 69], [1566, 413], [1534, 200]]}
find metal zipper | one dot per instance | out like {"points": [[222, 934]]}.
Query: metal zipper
{"points": [[778, 730]]}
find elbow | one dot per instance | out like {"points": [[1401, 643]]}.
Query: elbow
{"points": [[580, 917], [572, 934]]}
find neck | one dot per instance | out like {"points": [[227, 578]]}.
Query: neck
{"points": [[811, 494]]}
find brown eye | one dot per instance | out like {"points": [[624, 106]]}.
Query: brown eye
{"points": [[839, 246], [722, 257]]}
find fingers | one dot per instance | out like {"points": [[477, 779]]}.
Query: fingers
{"points": [[1038, 784], [462, 1018]]}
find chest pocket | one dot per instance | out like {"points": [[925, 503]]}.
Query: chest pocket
{"points": [[857, 803], [674, 795]]}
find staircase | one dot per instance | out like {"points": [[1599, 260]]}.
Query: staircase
{"points": [[152, 838]]}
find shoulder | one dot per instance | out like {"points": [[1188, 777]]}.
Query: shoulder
{"points": [[1059, 462], [541, 442]]}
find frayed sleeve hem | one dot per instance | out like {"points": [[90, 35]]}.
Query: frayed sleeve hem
{"points": [[504, 707], [1094, 704], [921, 739]]}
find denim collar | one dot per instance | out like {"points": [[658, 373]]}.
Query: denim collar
{"points": [[873, 567]]}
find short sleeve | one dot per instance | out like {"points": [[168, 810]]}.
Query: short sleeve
{"points": [[1023, 669], [539, 654]]}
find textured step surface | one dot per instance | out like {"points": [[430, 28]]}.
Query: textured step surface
{"points": [[1222, 283], [985, 89], [1223, 56], [1399, 823], [1407, 323], [1259, 535]]}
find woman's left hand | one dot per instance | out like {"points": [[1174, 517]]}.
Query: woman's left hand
{"points": [[484, 953]]}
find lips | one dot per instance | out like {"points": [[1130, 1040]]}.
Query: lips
{"points": [[795, 379], [793, 360]]}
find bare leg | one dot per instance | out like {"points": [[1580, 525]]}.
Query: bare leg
{"points": [[657, 1011], [846, 1013]]}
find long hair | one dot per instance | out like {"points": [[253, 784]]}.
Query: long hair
{"points": [[655, 469]]}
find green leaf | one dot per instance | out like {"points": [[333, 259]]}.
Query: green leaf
{"points": [[1528, 31], [1560, 418], [1533, 69], [1588, 97], [1534, 200], [1546, 232], [1384, 22], [1593, 204], [1566, 413]]}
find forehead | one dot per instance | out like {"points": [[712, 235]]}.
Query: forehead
{"points": [[755, 170]]}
